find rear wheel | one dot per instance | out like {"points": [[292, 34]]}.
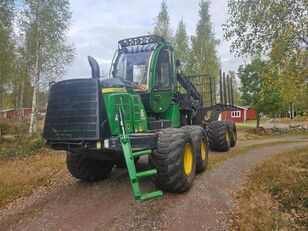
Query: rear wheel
{"points": [[233, 132], [174, 160], [200, 146], [87, 169], [219, 136]]}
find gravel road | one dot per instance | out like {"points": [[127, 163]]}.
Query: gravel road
{"points": [[109, 205]]}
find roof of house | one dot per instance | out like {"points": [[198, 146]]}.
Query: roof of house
{"points": [[12, 109], [241, 107], [6, 110]]}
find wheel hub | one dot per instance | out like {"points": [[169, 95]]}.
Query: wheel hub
{"points": [[227, 136], [188, 159], [203, 149]]}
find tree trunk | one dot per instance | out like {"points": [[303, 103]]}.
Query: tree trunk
{"points": [[258, 121], [21, 98], [33, 119], [291, 111], [36, 80]]}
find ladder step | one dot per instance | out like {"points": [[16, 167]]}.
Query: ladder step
{"points": [[146, 173], [151, 195], [141, 153]]}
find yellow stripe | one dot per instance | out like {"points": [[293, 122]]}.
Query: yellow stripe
{"points": [[112, 89]]}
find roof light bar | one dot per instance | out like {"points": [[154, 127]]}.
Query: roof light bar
{"points": [[142, 40]]}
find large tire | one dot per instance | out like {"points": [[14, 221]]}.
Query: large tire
{"points": [[174, 160], [87, 169], [219, 136], [200, 146]]}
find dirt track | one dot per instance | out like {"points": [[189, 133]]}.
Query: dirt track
{"points": [[109, 205]]}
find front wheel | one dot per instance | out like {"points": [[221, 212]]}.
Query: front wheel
{"points": [[174, 160], [87, 169]]}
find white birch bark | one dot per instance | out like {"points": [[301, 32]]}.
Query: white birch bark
{"points": [[36, 81]]}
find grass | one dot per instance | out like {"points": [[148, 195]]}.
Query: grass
{"points": [[21, 176], [215, 160], [275, 196], [25, 163]]}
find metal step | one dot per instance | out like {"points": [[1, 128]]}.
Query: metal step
{"points": [[151, 195], [134, 176], [146, 173], [141, 153]]}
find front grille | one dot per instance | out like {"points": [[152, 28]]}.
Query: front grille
{"points": [[126, 105], [73, 110]]}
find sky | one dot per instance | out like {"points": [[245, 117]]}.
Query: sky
{"points": [[97, 26]]}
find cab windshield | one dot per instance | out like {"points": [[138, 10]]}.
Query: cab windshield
{"points": [[133, 68]]}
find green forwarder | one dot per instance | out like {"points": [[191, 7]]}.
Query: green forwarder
{"points": [[146, 107]]}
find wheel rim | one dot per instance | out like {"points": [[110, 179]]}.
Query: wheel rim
{"points": [[227, 136], [203, 149], [188, 159]]}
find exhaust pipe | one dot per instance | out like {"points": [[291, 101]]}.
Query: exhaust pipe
{"points": [[94, 67]]}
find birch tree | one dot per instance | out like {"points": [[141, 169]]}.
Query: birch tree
{"points": [[276, 29], [6, 47], [45, 24], [253, 26]]}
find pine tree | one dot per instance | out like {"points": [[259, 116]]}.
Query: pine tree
{"points": [[181, 45], [203, 58], [162, 23]]}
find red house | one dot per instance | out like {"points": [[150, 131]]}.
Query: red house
{"points": [[11, 113], [240, 115]]}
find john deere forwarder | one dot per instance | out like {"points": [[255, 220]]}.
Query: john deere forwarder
{"points": [[146, 107]]}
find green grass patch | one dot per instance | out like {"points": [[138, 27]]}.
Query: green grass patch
{"points": [[275, 196]]}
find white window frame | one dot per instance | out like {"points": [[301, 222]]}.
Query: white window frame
{"points": [[235, 114]]}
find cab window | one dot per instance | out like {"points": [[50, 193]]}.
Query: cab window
{"points": [[163, 73]]}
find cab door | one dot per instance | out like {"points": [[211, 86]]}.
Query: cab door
{"points": [[162, 81]]}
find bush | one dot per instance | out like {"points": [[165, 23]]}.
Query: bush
{"points": [[12, 127], [20, 145]]}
